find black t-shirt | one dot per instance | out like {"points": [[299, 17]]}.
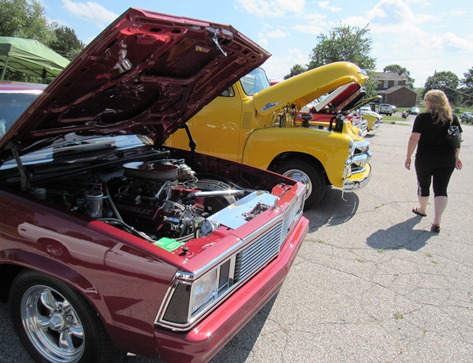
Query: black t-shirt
{"points": [[433, 144]]}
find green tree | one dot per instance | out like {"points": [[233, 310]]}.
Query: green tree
{"points": [[343, 43], [66, 42], [295, 70], [467, 89], [24, 19], [370, 86], [446, 81], [396, 68]]}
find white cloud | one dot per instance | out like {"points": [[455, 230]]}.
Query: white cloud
{"points": [[271, 8], [453, 42], [276, 33], [327, 6], [458, 12], [277, 67], [91, 11], [269, 32], [312, 24]]}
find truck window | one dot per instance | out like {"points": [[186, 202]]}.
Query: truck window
{"points": [[229, 92], [255, 81]]}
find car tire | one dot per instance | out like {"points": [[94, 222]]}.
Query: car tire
{"points": [[311, 176], [55, 323]]}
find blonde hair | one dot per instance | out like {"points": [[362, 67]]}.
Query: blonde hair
{"points": [[439, 106]]}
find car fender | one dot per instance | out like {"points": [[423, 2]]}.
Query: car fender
{"points": [[265, 146], [55, 268]]}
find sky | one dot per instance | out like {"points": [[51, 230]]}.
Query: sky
{"points": [[423, 36]]}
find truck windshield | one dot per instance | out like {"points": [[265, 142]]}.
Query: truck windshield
{"points": [[255, 81]]}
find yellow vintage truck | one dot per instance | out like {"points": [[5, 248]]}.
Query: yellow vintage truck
{"points": [[255, 123]]}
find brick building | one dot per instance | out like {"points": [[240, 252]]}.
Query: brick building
{"points": [[392, 88]]}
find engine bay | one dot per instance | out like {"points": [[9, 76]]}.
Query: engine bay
{"points": [[162, 201]]}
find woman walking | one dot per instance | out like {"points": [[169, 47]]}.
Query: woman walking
{"points": [[435, 160]]}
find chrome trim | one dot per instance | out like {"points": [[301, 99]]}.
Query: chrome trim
{"points": [[362, 159], [352, 185], [185, 276], [362, 145]]}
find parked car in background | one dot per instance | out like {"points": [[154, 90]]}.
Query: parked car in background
{"points": [[257, 123], [111, 243], [466, 117], [414, 111], [385, 108]]}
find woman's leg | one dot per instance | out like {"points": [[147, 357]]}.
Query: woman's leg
{"points": [[422, 204], [440, 204], [441, 178], [424, 177]]}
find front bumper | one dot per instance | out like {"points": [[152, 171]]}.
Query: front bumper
{"points": [[358, 180], [374, 127], [211, 334]]}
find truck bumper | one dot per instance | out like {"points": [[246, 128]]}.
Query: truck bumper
{"points": [[358, 180], [211, 334]]}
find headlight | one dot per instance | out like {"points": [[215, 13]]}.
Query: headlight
{"points": [[204, 291]]}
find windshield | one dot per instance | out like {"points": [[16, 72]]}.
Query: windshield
{"points": [[255, 81], [74, 148], [12, 106]]}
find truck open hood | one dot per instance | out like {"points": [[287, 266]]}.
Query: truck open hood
{"points": [[147, 73], [306, 87]]}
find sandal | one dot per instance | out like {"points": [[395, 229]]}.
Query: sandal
{"points": [[435, 229], [415, 211]]}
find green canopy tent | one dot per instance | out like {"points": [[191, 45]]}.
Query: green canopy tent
{"points": [[30, 57]]}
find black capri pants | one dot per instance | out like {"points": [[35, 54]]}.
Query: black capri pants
{"points": [[428, 171]]}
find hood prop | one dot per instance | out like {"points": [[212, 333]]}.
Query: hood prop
{"points": [[192, 143], [25, 181], [215, 40]]}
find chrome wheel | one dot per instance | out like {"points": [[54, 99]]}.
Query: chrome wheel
{"points": [[301, 177], [307, 173], [52, 324]]}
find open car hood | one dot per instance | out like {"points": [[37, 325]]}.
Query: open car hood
{"points": [[147, 73], [308, 86]]}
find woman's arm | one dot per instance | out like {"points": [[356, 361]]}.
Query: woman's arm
{"points": [[458, 162], [411, 146]]}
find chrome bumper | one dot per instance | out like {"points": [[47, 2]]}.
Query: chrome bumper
{"points": [[353, 184]]}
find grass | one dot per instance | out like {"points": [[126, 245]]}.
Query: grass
{"points": [[397, 116], [398, 316]]}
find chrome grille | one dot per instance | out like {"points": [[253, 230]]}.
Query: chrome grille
{"points": [[256, 255]]}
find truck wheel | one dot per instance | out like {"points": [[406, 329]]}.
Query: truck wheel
{"points": [[307, 174], [55, 324]]}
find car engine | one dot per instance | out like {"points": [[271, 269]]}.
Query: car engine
{"points": [[155, 199]]}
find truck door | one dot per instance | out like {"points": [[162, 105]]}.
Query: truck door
{"points": [[215, 128]]}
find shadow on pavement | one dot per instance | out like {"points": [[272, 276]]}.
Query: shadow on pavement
{"points": [[400, 236], [336, 208]]}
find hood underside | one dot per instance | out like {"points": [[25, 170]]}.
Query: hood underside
{"points": [[147, 73]]}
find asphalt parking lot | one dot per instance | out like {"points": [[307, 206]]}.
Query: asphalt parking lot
{"points": [[370, 283]]}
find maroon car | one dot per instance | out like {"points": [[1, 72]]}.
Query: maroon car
{"points": [[111, 243]]}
